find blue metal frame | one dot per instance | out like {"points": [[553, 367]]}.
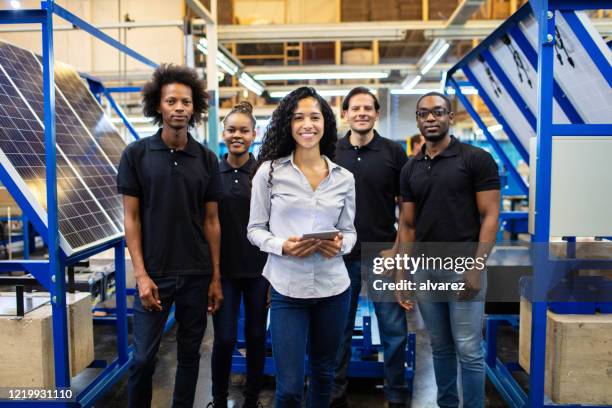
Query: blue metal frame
{"points": [[498, 149], [588, 43], [548, 90], [97, 88], [51, 273], [523, 43], [507, 84], [496, 113], [121, 114]]}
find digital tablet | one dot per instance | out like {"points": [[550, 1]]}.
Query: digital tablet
{"points": [[321, 235]]}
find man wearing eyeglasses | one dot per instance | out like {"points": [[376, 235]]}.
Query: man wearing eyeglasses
{"points": [[451, 194]]}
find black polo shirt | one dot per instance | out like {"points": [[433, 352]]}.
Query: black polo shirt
{"points": [[376, 167], [172, 187], [239, 258], [444, 190]]}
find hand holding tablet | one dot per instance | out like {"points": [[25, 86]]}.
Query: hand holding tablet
{"points": [[328, 235]]}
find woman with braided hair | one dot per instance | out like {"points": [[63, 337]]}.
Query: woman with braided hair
{"points": [[241, 265], [298, 190]]}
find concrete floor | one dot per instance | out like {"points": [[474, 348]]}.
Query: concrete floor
{"points": [[362, 393]]}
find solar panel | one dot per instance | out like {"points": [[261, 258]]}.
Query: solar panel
{"points": [[75, 141], [493, 87], [89, 209], [90, 111], [583, 84]]}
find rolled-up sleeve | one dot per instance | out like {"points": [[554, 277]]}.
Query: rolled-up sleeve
{"points": [[346, 221], [258, 230]]}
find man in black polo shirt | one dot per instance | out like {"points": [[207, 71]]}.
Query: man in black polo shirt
{"points": [[451, 194], [170, 185], [376, 163]]}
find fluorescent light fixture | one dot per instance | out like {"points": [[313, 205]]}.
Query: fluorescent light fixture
{"points": [[305, 76], [249, 83], [222, 61], [491, 129], [425, 69], [15, 4], [411, 84], [323, 92]]}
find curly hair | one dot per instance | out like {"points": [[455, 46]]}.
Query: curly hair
{"points": [[167, 74], [278, 141]]}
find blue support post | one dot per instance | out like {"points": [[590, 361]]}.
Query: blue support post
{"points": [[490, 138], [56, 268], [22, 16], [541, 236], [121, 114], [507, 84], [582, 130], [122, 89], [497, 114], [121, 302], [491, 334]]}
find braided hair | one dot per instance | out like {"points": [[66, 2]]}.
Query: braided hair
{"points": [[243, 107]]}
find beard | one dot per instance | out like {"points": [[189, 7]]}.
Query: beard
{"points": [[363, 131], [434, 138]]}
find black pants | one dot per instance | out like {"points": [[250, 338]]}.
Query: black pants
{"points": [[190, 297], [253, 292]]}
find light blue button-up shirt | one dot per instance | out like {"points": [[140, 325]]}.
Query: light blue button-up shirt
{"points": [[291, 207]]}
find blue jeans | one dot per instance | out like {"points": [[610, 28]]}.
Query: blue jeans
{"points": [[393, 335], [189, 295], [455, 330], [253, 291], [343, 358], [300, 324], [393, 330]]}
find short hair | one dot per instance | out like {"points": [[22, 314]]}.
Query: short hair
{"points": [[167, 74], [243, 107], [414, 140], [357, 91], [441, 95]]}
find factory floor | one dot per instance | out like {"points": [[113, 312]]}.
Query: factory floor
{"points": [[362, 393]]}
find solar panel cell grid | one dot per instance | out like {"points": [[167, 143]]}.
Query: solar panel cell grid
{"points": [[82, 218], [89, 111]]}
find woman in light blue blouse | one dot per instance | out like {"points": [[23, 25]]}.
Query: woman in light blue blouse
{"points": [[298, 190]]}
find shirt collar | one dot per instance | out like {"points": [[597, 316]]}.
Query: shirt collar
{"points": [[374, 144], [451, 150], [156, 143], [225, 167], [289, 159]]}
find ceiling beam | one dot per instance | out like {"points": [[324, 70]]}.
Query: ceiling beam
{"points": [[464, 12], [201, 11]]}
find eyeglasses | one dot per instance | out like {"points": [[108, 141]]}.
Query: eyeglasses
{"points": [[437, 112]]}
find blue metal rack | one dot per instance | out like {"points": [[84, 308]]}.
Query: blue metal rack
{"points": [[51, 273], [548, 90]]}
